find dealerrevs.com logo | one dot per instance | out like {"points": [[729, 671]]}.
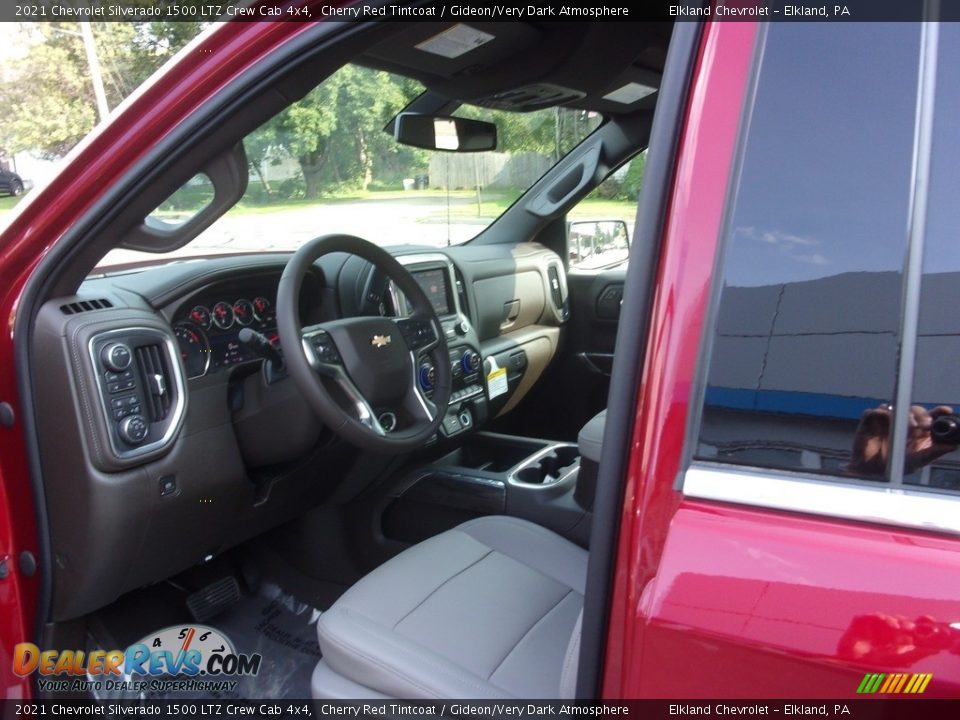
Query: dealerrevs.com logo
{"points": [[178, 658]]}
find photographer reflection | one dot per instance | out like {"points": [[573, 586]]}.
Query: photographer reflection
{"points": [[894, 641], [871, 443]]}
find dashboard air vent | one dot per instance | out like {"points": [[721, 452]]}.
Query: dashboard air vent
{"points": [[461, 294], [82, 306], [558, 291], [151, 360]]}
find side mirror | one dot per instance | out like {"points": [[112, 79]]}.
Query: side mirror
{"points": [[441, 132], [598, 243]]}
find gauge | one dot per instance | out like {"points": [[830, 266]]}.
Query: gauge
{"points": [[178, 640], [223, 315], [194, 348], [262, 309], [243, 312], [201, 316]]}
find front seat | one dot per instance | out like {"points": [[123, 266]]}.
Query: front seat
{"points": [[488, 610]]}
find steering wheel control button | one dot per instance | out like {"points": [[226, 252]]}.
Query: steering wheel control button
{"points": [[323, 347], [133, 429], [116, 357], [418, 333]]}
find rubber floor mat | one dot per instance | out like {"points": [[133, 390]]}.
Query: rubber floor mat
{"points": [[273, 624]]}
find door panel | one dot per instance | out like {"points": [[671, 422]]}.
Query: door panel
{"points": [[783, 597]]}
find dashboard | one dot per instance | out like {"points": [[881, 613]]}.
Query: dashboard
{"points": [[177, 441]]}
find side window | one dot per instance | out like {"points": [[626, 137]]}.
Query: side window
{"points": [[600, 226], [805, 345], [932, 458]]}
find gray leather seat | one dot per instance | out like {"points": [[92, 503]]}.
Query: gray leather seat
{"points": [[490, 609]]}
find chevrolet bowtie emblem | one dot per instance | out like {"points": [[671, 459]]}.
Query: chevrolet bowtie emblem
{"points": [[380, 340]]}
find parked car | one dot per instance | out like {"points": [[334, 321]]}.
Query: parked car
{"points": [[11, 183], [708, 472]]}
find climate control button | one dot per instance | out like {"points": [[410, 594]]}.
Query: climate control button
{"points": [[427, 376], [470, 361]]}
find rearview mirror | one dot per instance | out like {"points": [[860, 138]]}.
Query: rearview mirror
{"points": [[436, 132], [598, 243]]}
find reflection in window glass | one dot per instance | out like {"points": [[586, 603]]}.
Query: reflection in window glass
{"points": [[805, 349], [937, 366]]}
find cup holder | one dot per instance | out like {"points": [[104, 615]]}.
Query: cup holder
{"points": [[551, 467]]}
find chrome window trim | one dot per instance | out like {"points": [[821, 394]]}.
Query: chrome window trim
{"points": [[883, 504], [916, 236]]}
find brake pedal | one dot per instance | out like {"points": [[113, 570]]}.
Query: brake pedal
{"points": [[211, 600]]}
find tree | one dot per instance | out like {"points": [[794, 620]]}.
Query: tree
{"points": [[304, 129], [48, 94], [49, 102], [262, 146], [336, 131]]}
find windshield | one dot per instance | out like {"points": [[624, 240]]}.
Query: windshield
{"points": [[325, 165]]}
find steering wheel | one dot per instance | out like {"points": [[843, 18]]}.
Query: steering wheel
{"points": [[370, 361]]}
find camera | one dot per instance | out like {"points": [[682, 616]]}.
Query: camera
{"points": [[946, 430]]}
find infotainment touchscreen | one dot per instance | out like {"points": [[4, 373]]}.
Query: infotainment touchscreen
{"points": [[434, 284]]}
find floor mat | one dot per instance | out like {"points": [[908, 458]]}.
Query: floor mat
{"points": [[281, 629]]}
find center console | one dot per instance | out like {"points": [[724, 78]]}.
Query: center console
{"points": [[491, 474], [435, 274]]}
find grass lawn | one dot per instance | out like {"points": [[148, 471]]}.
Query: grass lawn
{"points": [[7, 202], [463, 207]]}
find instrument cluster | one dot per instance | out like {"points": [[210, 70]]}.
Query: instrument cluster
{"points": [[208, 332]]}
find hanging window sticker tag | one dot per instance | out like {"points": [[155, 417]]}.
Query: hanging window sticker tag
{"points": [[496, 380], [457, 41]]}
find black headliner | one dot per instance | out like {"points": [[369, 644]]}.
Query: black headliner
{"points": [[590, 59]]}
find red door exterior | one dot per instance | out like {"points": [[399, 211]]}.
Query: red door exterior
{"points": [[725, 601]]}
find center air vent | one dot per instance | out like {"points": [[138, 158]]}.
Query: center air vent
{"points": [[82, 306], [531, 97], [156, 377]]}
